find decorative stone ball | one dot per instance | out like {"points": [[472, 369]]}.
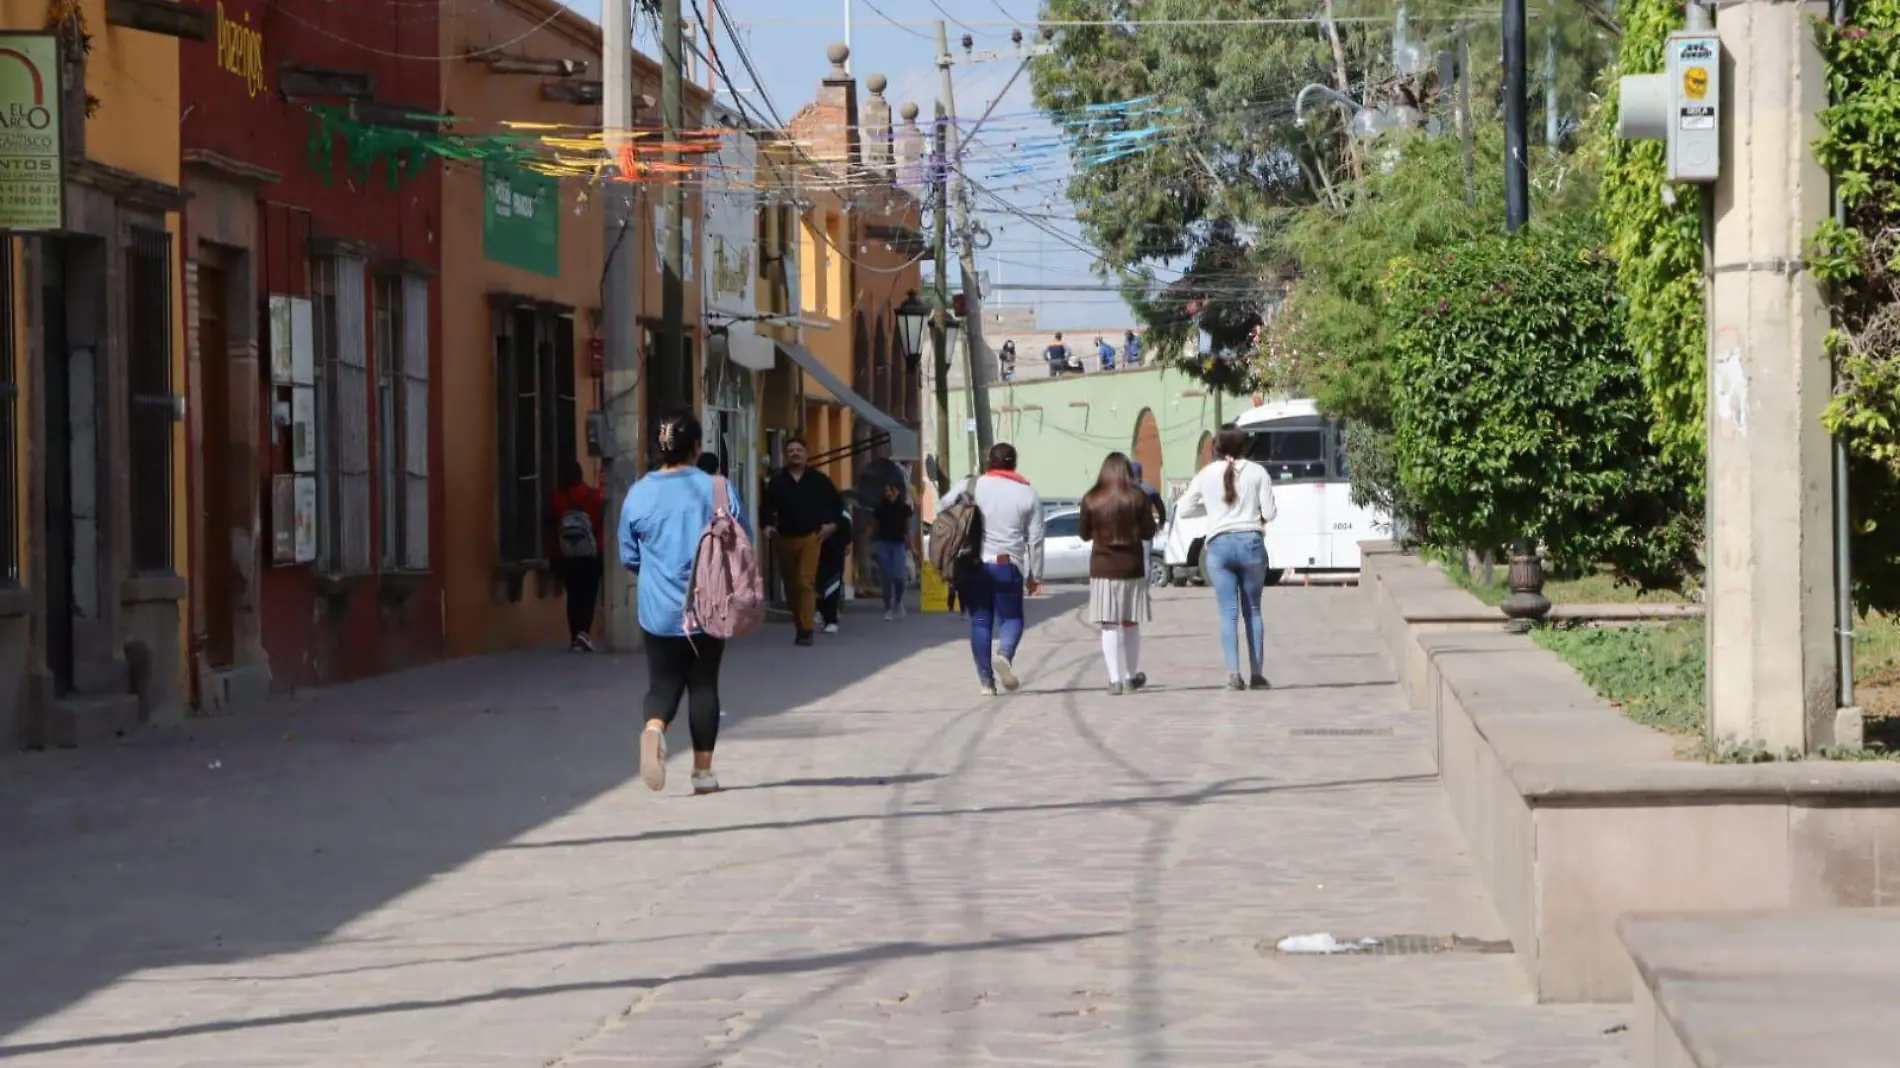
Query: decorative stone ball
{"points": [[839, 52], [876, 84], [909, 111]]}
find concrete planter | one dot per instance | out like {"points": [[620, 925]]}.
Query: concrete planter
{"points": [[1576, 816]]}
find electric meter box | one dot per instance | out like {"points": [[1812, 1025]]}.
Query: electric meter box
{"points": [[1681, 107]]}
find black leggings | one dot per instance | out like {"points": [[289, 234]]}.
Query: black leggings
{"points": [[676, 665], [581, 579]]}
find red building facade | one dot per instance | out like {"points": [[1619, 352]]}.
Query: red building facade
{"points": [[313, 316]]}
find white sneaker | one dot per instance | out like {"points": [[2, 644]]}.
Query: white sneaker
{"points": [[900, 611], [705, 782], [653, 758], [1006, 673], [890, 617], [831, 628]]}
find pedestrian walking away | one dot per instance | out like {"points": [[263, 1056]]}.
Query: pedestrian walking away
{"points": [[1131, 350], [801, 511], [1105, 352], [1008, 565], [578, 515], [893, 548], [831, 560], [1237, 497], [1154, 496], [665, 516], [1006, 361], [1118, 522]]}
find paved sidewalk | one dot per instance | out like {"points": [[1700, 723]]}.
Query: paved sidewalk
{"points": [[458, 867]]}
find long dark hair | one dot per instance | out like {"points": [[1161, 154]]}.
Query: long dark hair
{"points": [[1115, 503], [1231, 445]]}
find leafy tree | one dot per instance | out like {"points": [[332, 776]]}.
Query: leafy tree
{"points": [[1519, 410], [1215, 200]]}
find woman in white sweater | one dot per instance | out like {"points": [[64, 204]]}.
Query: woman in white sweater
{"points": [[1237, 497]]}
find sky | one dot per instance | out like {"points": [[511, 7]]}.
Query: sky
{"points": [[788, 41]]}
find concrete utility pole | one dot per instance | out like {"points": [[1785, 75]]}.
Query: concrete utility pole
{"points": [[674, 367], [939, 337], [620, 355], [974, 369], [1517, 163], [1772, 663]]}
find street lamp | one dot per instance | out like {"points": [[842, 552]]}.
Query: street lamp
{"points": [[911, 316]]}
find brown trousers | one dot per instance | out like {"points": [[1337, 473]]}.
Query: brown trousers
{"points": [[798, 561]]}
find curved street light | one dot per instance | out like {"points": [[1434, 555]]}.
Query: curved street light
{"points": [[1365, 124]]}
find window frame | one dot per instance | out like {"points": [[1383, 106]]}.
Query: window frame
{"points": [[12, 571], [537, 386], [346, 456], [400, 327]]}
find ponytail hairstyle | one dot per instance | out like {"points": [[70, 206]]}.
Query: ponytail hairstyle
{"points": [[1231, 445], [678, 435]]}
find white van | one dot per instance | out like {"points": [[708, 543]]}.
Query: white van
{"points": [[1318, 529]]}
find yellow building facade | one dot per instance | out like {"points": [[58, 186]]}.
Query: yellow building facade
{"points": [[94, 486]]}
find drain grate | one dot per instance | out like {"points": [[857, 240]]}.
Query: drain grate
{"points": [[1402, 945], [1341, 732]]}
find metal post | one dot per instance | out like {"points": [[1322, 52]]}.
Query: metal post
{"points": [[675, 362], [939, 343], [1517, 170], [1843, 516], [620, 357], [974, 370], [1552, 123], [1464, 118]]}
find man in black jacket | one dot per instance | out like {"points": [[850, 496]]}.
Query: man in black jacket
{"points": [[802, 508]]}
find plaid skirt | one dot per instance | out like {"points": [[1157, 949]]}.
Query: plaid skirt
{"points": [[1119, 600]]}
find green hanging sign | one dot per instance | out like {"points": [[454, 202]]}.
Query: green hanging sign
{"points": [[521, 219]]}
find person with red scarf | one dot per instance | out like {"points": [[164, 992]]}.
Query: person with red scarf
{"points": [[1012, 564]]}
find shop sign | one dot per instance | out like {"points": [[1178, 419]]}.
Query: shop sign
{"points": [[521, 219], [32, 164]]}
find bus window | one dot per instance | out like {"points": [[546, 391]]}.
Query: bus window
{"points": [[1291, 455], [1342, 469]]}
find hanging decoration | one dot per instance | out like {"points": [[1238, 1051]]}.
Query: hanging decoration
{"points": [[405, 150]]}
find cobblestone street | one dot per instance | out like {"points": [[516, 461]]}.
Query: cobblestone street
{"points": [[458, 867]]}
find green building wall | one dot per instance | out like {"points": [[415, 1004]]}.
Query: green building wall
{"points": [[1063, 427]]}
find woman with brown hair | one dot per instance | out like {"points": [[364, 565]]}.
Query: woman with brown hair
{"points": [[1237, 497], [1116, 517]]}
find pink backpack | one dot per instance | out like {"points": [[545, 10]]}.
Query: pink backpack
{"points": [[725, 598]]}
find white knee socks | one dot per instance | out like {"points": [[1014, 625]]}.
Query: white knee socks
{"points": [[1112, 654], [1131, 651]]}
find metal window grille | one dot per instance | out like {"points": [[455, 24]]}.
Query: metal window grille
{"points": [[9, 427], [519, 490], [339, 291], [386, 313], [415, 423], [561, 428], [152, 411]]}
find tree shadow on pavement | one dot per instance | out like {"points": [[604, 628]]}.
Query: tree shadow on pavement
{"points": [[267, 833]]}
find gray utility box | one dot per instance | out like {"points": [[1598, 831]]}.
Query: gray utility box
{"points": [[1681, 107]]}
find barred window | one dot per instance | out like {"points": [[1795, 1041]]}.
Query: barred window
{"points": [[535, 431], [152, 411], [402, 420], [339, 293]]}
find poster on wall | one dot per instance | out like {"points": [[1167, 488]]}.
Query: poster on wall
{"points": [[306, 518], [283, 525], [280, 333], [521, 219], [303, 343], [303, 430]]}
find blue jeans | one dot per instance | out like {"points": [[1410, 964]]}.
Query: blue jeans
{"points": [[994, 598], [1237, 564], [893, 571]]}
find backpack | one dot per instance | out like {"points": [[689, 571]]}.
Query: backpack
{"points": [[577, 534], [725, 596], [956, 537]]}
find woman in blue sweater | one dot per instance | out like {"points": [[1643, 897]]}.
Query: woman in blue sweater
{"points": [[660, 524]]}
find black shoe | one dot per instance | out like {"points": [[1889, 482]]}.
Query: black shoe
{"points": [[1259, 682], [1139, 682], [804, 638]]}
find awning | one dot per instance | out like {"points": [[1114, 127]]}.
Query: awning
{"points": [[903, 439]]}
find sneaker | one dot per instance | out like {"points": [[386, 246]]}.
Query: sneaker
{"points": [[1140, 681], [584, 643], [890, 617], [705, 782], [653, 758], [1006, 673], [900, 612], [987, 689], [1259, 682], [1235, 682], [831, 628], [1117, 689], [804, 638], [574, 646]]}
